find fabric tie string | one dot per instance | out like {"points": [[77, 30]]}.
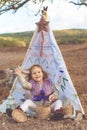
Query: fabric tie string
{"points": [[40, 97]]}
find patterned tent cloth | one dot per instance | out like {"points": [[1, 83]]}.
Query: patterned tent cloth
{"points": [[43, 49]]}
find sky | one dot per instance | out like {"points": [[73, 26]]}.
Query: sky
{"points": [[62, 15]]}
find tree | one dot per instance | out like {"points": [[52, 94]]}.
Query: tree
{"points": [[6, 5], [79, 2]]}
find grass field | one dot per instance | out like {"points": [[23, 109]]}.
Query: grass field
{"points": [[62, 37]]}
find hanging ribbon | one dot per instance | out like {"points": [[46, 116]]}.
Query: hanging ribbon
{"points": [[41, 43]]}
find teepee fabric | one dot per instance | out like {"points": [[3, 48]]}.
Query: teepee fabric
{"points": [[44, 50]]}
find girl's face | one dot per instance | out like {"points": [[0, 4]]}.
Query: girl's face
{"points": [[37, 74]]}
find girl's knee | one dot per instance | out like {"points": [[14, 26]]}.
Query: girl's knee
{"points": [[28, 101], [59, 102]]}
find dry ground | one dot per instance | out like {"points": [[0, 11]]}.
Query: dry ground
{"points": [[75, 57]]}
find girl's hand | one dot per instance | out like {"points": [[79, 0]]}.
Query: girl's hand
{"points": [[17, 71], [52, 98]]}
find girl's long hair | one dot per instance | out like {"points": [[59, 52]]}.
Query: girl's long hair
{"points": [[45, 74]]}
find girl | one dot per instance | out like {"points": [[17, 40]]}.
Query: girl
{"points": [[42, 91]]}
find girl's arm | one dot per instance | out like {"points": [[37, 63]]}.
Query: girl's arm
{"points": [[54, 95], [25, 83], [22, 79], [55, 91]]}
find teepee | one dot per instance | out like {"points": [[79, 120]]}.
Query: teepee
{"points": [[44, 50]]}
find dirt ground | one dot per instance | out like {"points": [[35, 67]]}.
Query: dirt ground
{"points": [[75, 57]]}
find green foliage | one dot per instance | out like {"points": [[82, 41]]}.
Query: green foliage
{"points": [[72, 36], [15, 39]]}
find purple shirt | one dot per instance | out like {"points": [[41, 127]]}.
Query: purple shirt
{"points": [[39, 93]]}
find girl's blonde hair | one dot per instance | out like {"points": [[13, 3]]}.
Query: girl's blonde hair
{"points": [[45, 75]]}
